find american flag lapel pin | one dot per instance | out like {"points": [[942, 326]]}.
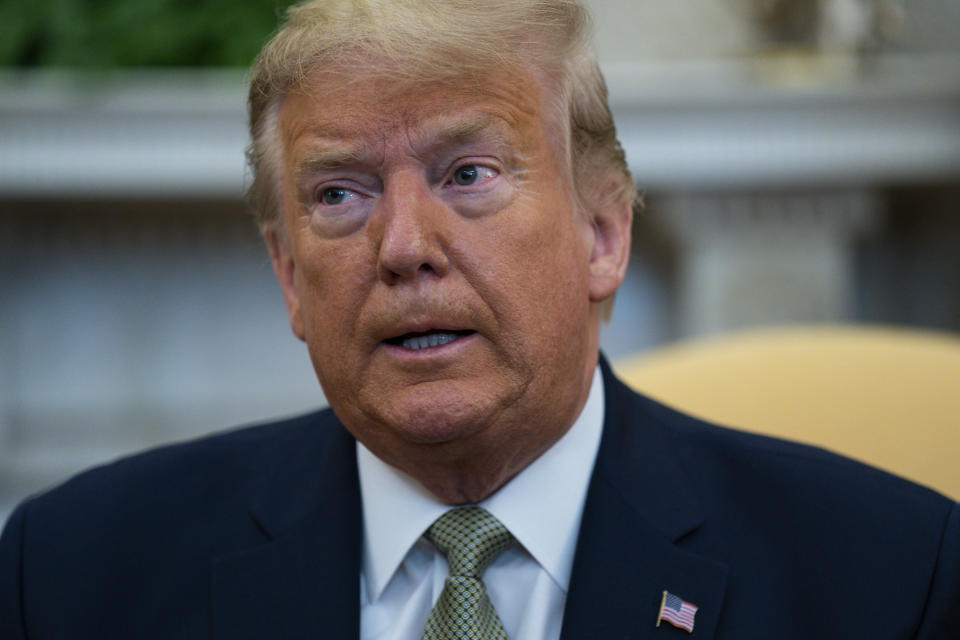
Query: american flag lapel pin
{"points": [[677, 611]]}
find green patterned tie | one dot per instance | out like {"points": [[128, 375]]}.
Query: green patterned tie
{"points": [[470, 538]]}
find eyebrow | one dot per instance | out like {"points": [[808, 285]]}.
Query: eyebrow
{"points": [[452, 134], [328, 160]]}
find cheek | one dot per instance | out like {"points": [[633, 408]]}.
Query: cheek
{"points": [[547, 241], [330, 282], [536, 264]]}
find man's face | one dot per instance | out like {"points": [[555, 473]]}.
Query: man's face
{"points": [[436, 267]]}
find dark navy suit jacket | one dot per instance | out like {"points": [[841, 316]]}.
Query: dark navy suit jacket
{"points": [[257, 534]]}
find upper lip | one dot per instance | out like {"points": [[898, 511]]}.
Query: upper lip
{"points": [[401, 317], [421, 328]]}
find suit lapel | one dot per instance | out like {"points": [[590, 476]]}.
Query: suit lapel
{"points": [[639, 507], [303, 582]]}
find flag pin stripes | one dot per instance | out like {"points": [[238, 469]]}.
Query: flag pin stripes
{"points": [[677, 612]]}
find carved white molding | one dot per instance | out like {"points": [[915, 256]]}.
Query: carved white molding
{"points": [[684, 124], [123, 134], [788, 123]]}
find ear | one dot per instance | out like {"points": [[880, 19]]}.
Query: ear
{"points": [[284, 267], [611, 249]]}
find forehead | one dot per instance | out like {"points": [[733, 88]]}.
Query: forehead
{"points": [[369, 111]]}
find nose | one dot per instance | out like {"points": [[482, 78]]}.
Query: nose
{"points": [[411, 231]]}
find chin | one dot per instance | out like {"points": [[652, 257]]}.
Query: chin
{"points": [[439, 413]]}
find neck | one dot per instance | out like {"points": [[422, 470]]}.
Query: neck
{"points": [[468, 472]]}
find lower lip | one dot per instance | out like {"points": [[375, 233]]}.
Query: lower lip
{"points": [[429, 353]]}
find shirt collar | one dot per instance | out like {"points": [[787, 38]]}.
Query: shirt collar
{"points": [[397, 509]]}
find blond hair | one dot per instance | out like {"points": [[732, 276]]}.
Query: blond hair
{"points": [[435, 40]]}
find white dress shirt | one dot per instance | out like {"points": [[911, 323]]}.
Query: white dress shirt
{"points": [[403, 574]]}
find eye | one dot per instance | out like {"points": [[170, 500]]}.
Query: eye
{"points": [[466, 175], [470, 174], [335, 195]]}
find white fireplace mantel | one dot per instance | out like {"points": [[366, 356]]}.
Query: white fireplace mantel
{"points": [[782, 123], [685, 125]]}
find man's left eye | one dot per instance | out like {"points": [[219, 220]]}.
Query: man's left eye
{"points": [[470, 174], [335, 195]]}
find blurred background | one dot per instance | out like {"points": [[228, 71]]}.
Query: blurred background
{"points": [[800, 162]]}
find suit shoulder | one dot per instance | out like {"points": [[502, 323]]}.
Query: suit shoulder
{"points": [[775, 466], [781, 514], [221, 463]]}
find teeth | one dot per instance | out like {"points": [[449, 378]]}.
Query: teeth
{"points": [[432, 340]]}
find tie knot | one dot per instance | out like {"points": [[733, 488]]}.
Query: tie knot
{"points": [[470, 538]]}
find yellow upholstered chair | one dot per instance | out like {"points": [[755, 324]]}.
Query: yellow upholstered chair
{"points": [[888, 397]]}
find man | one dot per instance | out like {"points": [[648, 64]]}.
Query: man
{"points": [[447, 210]]}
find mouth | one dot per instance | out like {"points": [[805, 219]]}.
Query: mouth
{"points": [[427, 339]]}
